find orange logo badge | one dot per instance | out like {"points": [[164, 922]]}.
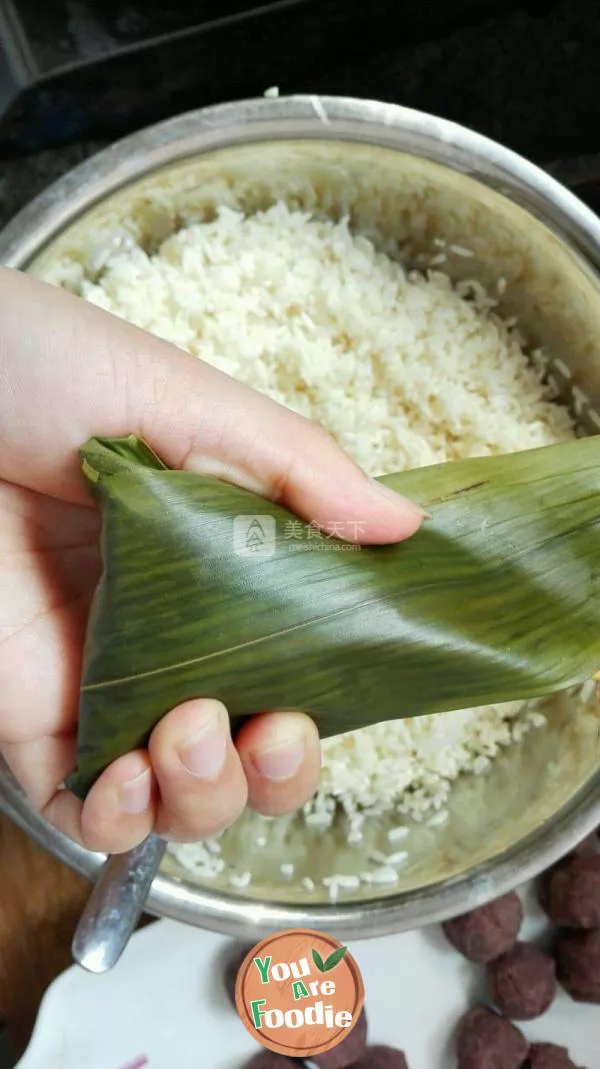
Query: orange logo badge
{"points": [[299, 993]]}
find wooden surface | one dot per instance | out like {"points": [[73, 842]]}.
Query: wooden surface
{"points": [[40, 902]]}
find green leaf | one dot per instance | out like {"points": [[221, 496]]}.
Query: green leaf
{"points": [[495, 599], [334, 958], [318, 960]]}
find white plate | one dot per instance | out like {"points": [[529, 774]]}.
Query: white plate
{"points": [[165, 1000]]}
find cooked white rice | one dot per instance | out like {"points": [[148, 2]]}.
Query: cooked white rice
{"points": [[404, 369]]}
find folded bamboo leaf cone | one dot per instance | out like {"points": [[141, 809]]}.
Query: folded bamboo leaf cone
{"points": [[203, 593]]}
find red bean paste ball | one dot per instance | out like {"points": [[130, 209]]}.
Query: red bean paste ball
{"points": [[586, 846], [348, 1051], [486, 933], [549, 1056], [522, 982], [487, 1041], [267, 1059], [570, 892], [578, 963], [238, 954], [381, 1057]]}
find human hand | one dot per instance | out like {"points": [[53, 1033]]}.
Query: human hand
{"points": [[69, 371]]}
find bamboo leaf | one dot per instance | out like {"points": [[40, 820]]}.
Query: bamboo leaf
{"points": [[495, 599], [334, 958], [318, 960]]}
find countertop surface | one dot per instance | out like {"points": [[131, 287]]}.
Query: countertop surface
{"points": [[40, 902]]}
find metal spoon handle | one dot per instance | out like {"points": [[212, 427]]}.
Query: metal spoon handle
{"points": [[115, 906]]}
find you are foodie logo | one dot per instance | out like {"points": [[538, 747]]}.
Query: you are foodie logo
{"points": [[299, 993]]}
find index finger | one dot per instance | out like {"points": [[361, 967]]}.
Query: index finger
{"points": [[76, 372]]}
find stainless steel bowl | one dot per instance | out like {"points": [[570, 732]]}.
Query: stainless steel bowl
{"points": [[407, 178]]}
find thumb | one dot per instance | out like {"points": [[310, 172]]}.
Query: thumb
{"points": [[70, 371]]}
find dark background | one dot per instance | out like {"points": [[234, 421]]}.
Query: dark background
{"points": [[75, 74]]}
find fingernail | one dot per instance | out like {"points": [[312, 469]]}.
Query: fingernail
{"points": [[134, 794], [203, 755], [400, 501], [280, 762]]}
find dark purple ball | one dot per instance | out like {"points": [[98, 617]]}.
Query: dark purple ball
{"points": [[588, 845], [381, 1057], [487, 1041], [268, 1059], [348, 1051], [523, 982], [578, 964], [549, 1056], [485, 933], [570, 892]]}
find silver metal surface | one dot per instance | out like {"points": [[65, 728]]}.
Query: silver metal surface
{"points": [[231, 915], [116, 905], [370, 122], [557, 263]]}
